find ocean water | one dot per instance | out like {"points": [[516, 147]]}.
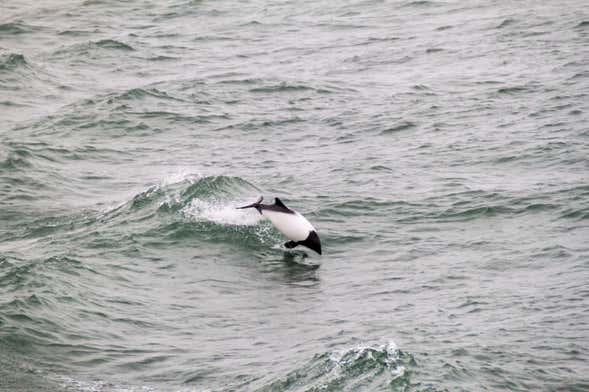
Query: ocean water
{"points": [[441, 149]]}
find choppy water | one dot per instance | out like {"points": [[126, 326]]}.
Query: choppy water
{"points": [[440, 148]]}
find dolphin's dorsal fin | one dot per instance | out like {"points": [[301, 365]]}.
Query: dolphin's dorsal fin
{"points": [[279, 203]]}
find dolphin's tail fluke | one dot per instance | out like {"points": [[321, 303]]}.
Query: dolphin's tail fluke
{"points": [[255, 205]]}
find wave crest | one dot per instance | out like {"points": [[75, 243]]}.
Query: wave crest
{"points": [[364, 367], [194, 208]]}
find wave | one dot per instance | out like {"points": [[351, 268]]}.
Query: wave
{"points": [[513, 90], [83, 49], [419, 4], [15, 28], [506, 22], [26, 81], [284, 87], [196, 208], [398, 127], [364, 367], [16, 158], [12, 61], [258, 85], [19, 154], [113, 44], [189, 192], [137, 93], [193, 209], [76, 33]]}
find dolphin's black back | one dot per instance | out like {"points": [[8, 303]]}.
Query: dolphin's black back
{"points": [[278, 206]]}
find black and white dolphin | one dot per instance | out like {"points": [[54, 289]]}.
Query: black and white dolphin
{"points": [[292, 224]]}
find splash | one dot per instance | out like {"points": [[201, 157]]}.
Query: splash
{"points": [[223, 213]]}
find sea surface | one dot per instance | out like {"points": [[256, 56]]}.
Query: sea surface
{"points": [[440, 148]]}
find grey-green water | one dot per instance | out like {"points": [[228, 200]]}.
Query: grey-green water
{"points": [[440, 148]]}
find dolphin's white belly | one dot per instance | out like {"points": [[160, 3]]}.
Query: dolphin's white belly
{"points": [[294, 226]]}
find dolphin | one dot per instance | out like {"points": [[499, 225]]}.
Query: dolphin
{"points": [[290, 223]]}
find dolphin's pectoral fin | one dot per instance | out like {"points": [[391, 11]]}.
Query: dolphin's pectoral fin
{"points": [[290, 244]]}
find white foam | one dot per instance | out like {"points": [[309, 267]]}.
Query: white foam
{"points": [[341, 357], [224, 213]]}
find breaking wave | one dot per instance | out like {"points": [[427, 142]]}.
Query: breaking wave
{"points": [[363, 367]]}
